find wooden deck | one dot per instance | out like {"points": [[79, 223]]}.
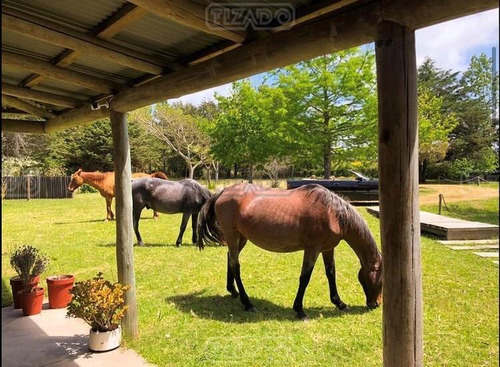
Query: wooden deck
{"points": [[451, 228]]}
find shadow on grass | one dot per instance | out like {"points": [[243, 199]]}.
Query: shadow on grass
{"points": [[228, 309], [84, 221], [152, 245]]}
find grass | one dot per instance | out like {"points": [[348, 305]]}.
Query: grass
{"points": [[187, 319]]}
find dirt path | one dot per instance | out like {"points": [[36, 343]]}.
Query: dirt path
{"points": [[429, 194]]}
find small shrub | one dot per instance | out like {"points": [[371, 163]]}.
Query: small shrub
{"points": [[86, 189], [28, 262], [99, 303]]}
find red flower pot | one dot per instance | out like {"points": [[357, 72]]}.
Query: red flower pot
{"points": [[16, 284], [59, 287], [31, 302]]}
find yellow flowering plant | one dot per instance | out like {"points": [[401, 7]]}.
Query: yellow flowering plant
{"points": [[99, 303]]}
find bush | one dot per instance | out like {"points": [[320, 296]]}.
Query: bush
{"points": [[86, 189], [99, 303]]}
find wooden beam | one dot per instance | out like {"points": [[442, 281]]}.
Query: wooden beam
{"points": [[124, 233], [398, 195], [26, 107], [98, 48], [189, 14], [35, 95], [22, 126], [315, 11], [212, 52], [74, 118], [125, 16], [53, 72]]}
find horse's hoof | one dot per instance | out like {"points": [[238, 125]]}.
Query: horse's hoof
{"points": [[342, 306], [251, 309], [305, 318], [141, 244], [178, 244], [235, 294]]}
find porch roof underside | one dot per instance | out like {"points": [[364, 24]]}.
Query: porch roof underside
{"points": [[60, 58]]}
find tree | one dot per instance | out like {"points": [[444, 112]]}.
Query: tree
{"points": [[243, 132], [332, 100], [183, 133], [434, 129], [475, 137]]}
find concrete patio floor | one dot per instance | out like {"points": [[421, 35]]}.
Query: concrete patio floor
{"points": [[52, 339]]}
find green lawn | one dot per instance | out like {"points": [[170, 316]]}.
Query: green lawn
{"points": [[187, 319], [485, 211]]}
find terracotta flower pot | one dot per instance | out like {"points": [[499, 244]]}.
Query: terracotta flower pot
{"points": [[31, 302], [59, 287], [16, 284], [100, 341]]}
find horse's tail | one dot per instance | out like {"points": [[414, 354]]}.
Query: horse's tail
{"points": [[208, 228], [159, 174]]}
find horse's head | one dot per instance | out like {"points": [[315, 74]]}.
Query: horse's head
{"points": [[76, 181], [371, 280]]}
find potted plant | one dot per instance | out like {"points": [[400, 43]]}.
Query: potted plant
{"points": [[16, 284], [29, 263], [59, 287], [100, 304]]}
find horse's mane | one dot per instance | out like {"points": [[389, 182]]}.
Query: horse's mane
{"points": [[348, 217]]}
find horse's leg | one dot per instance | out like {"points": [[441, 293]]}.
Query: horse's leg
{"points": [[310, 257], [155, 214], [194, 222], [185, 218], [230, 278], [110, 215], [234, 249], [329, 260], [137, 217]]}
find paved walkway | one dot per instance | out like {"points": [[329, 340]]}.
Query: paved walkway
{"points": [[52, 339]]}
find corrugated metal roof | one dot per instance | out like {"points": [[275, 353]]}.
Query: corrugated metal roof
{"points": [[67, 89], [16, 42], [95, 66], [167, 38]]}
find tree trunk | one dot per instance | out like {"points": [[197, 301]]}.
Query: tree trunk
{"points": [[208, 175], [216, 169], [250, 174], [422, 171], [235, 170], [327, 159], [191, 171]]}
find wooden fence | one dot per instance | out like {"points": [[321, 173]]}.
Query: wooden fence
{"points": [[36, 187]]}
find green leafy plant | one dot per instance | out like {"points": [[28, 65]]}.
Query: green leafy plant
{"points": [[99, 303], [28, 262]]}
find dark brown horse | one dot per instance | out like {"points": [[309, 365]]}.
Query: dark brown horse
{"points": [[104, 182], [309, 218]]}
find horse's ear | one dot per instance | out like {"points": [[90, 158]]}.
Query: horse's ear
{"points": [[79, 171]]}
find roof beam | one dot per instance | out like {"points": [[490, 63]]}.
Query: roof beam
{"points": [[75, 118], [35, 95], [22, 126], [26, 107], [53, 72], [189, 14], [86, 44]]}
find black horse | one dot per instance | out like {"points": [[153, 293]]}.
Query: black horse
{"points": [[169, 197]]}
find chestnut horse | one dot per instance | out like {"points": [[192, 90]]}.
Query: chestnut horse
{"points": [[309, 218], [104, 182]]}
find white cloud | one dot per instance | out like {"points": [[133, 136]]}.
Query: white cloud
{"points": [[452, 43], [204, 95]]}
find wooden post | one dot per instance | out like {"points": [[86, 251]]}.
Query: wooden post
{"points": [[124, 239], [399, 207]]}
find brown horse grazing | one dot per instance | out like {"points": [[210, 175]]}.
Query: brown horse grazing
{"points": [[309, 218], [104, 182]]}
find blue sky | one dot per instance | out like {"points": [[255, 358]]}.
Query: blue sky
{"points": [[451, 45]]}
